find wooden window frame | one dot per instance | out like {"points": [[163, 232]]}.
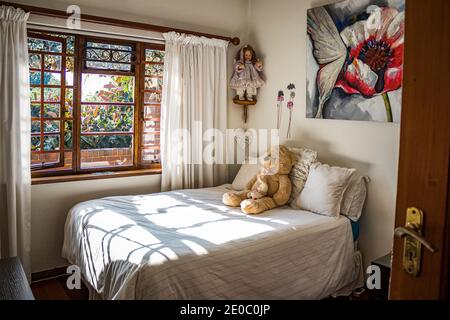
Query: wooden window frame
{"points": [[133, 44], [62, 86], [84, 70], [138, 71], [142, 90]]}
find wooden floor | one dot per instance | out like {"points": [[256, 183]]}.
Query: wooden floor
{"points": [[56, 289]]}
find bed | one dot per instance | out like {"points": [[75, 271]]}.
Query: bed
{"points": [[187, 245]]}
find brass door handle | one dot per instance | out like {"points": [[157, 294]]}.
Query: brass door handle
{"points": [[413, 241], [410, 231]]}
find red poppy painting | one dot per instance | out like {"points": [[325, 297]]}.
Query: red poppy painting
{"points": [[355, 60]]}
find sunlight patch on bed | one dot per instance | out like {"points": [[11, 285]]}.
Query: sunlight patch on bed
{"points": [[267, 219], [195, 247], [85, 211], [220, 232], [152, 204], [182, 217], [140, 235], [161, 256], [192, 196], [221, 207], [131, 244], [168, 253], [109, 220], [156, 258]]}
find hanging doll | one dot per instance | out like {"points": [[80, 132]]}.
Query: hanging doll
{"points": [[246, 79]]}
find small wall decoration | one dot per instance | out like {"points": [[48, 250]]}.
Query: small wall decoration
{"points": [[355, 60], [280, 100], [246, 77], [290, 106]]}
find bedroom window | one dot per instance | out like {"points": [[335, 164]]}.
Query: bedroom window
{"points": [[95, 104]]}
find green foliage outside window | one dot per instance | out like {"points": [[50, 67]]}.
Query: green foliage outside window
{"points": [[109, 118]]}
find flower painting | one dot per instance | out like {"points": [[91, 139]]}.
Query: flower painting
{"points": [[355, 60]]}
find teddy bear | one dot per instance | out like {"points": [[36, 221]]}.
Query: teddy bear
{"points": [[270, 188], [259, 188]]}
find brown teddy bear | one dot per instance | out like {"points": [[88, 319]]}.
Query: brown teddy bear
{"points": [[270, 188]]}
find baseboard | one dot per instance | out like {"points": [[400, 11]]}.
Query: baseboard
{"points": [[47, 274]]}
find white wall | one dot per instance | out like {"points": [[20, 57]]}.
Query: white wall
{"points": [[277, 29], [214, 16]]}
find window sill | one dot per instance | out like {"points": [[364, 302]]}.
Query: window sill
{"points": [[94, 176]]}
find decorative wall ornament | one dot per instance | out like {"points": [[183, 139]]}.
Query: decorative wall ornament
{"points": [[280, 100], [246, 78], [290, 106], [355, 60]]}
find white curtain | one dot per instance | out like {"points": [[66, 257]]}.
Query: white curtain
{"points": [[15, 180], [194, 112]]}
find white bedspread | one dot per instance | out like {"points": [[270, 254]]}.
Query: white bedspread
{"points": [[188, 245]]}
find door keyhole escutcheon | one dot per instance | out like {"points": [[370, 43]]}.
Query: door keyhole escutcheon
{"points": [[413, 241]]}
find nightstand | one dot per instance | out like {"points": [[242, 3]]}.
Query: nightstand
{"points": [[384, 263], [13, 281]]}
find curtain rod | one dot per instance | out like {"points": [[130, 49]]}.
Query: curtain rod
{"points": [[114, 22], [34, 26]]}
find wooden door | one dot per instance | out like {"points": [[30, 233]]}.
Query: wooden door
{"points": [[424, 148]]}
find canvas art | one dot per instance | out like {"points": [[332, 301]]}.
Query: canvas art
{"points": [[355, 60]]}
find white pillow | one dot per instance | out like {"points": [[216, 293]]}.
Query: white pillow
{"points": [[300, 171], [324, 189], [354, 197], [245, 174]]}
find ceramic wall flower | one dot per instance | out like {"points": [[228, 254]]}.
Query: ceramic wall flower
{"points": [[280, 99], [291, 88], [290, 106]]}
